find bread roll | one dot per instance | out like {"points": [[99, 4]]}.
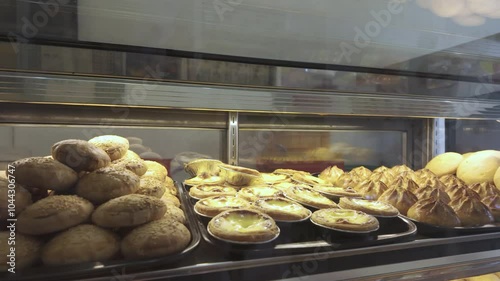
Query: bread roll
{"points": [[156, 170], [152, 187], [175, 213], [135, 165], [496, 178], [44, 173], [479, 167], [434, 211], [430, 192], [27, 250], [114, 146], [445, 164], [107, 183], [471, 211], [168, 198], [80, 155], [22, 199], [156, 239], [54, 213], [399, 197], [129, 210], [371, 190], [82, 243]]}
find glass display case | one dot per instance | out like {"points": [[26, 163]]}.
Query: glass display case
{"points": [[262, 86]]}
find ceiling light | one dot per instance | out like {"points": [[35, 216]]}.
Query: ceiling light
{"points": [[447, 8]]}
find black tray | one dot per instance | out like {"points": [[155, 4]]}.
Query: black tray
{"points": [[115, 268], [305, 237], [438, 231]]}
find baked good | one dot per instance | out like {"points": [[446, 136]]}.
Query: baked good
{"points": [[462, 191], [479, 167], [493, 203], [239, 176], [496, 178], [44, 173], [27, 251], [152, 187], [371, 189], [425, 174], [214, 180], [471, 211], [331, 174], [204, 191], [168, 198], [399, 197], [107, 183], [347, 180], [307, 196], [281, 209], [345, 220], [405, 183], [430, 192], [432, 182], [212, 206], [289, 172], [114, 146], [386, 177], [79, 244], [485, 189], [408, 175], [381, 169], [269, 178], [203, 168], [155, 170], [445, 164], [398, 169], [175, 213], [129, 210], [243, 225], [283, 185], [253, 193], [80, 155], [307, 179], [54, 213], [371, 207], [435, 212], [451, 180], [22, 198], [135, 165], [156, 239], [334, 192], [361, 172]]}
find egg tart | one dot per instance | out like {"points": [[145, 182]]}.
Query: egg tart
{"points": [[435, 212], [405, 183], [370, 189], [381, 169], [336, 192], [309, 197], [238, 175], [203, 168], [204, 191], [243, 226], [462, 191], [374, 208], [331, 174], [430, 192], [345, 220], [212, 206], [451, 180], [307, 179], [385, 177], [493, 203], [471, 211], [485, 189], [269, 178], [400, 198], [361, 172], [281, 209], [214, 180], [289, 172], [283, 185], [253, 193], [398, 169]]}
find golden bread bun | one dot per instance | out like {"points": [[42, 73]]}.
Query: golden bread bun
{"points": [[158, 238], [451, 180], [168, 198], [22, 198], [435, 212], [155, 170], [44, 173], [431, 192], [27, 251], [203, 168], [79, 244], [115, 146], [479, 167], [361, 172], [496, 178], [405, 183], [471, 211], [152, 187], [107, 183], [462, 191], [129, 210], [493, 203], [135, 165], [175, 213], [445, 164], [54, 213], [370, 189], [485, 189], [331, 174], [399, 197], [80, 155], [386, 177]]}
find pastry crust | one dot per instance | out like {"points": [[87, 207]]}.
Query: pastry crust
{"points": [[374, 208], [430, 192], [212, 206], [451, 180], [400, 198], [214, 180], [405, 183], [493, 203], [137, 166], [335, 192], [243, 225], [361, 172], [386, 177], [204, 191], [381, 169], [289, 172], [371, 190], [152, 187], [347, 180], [269, 178], [471, 211], [345, 220], [239, 176], [80, 155], [308, 179], [281, 209], [309, 197], [462, 191], [254, 193], [155, 170], [485, 189], [398, 169], [203, 168], [331, 174], [114, 146], [435, 212]]}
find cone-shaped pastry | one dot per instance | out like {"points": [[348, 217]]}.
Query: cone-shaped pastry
{"points": [[401, 168], [471, 211], [409, 175], [405, 183], [385, 177], [485, 189], [371, 190], [331, 174], [432, 182], [425, 174], [347, 180], [400, 198], [451, 180], [462, 191], [361, 172], [493, 203], [435, 212], [430, 192], [381, 169]]}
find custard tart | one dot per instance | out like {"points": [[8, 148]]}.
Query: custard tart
{"points": [[243, 226], [203, 168], [212, 206], [253, 193], [204, 191], [281, 209], [374, 208], [283, 185], [269, 178], [308, 179], [307, 196], [334, 192], [345, 220], [214, 180], [239, 176]]}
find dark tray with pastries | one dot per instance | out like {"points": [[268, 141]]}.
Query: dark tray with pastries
{"points": [[118, 266], [305, 237]]}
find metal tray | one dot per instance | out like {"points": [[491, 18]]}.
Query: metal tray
{"points": [[438, 231], [113, 267]]}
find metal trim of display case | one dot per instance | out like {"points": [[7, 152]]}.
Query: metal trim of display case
{"points": [[60, 89]]}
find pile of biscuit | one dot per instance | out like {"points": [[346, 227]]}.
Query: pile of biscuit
{"points": [[100, 201]]}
